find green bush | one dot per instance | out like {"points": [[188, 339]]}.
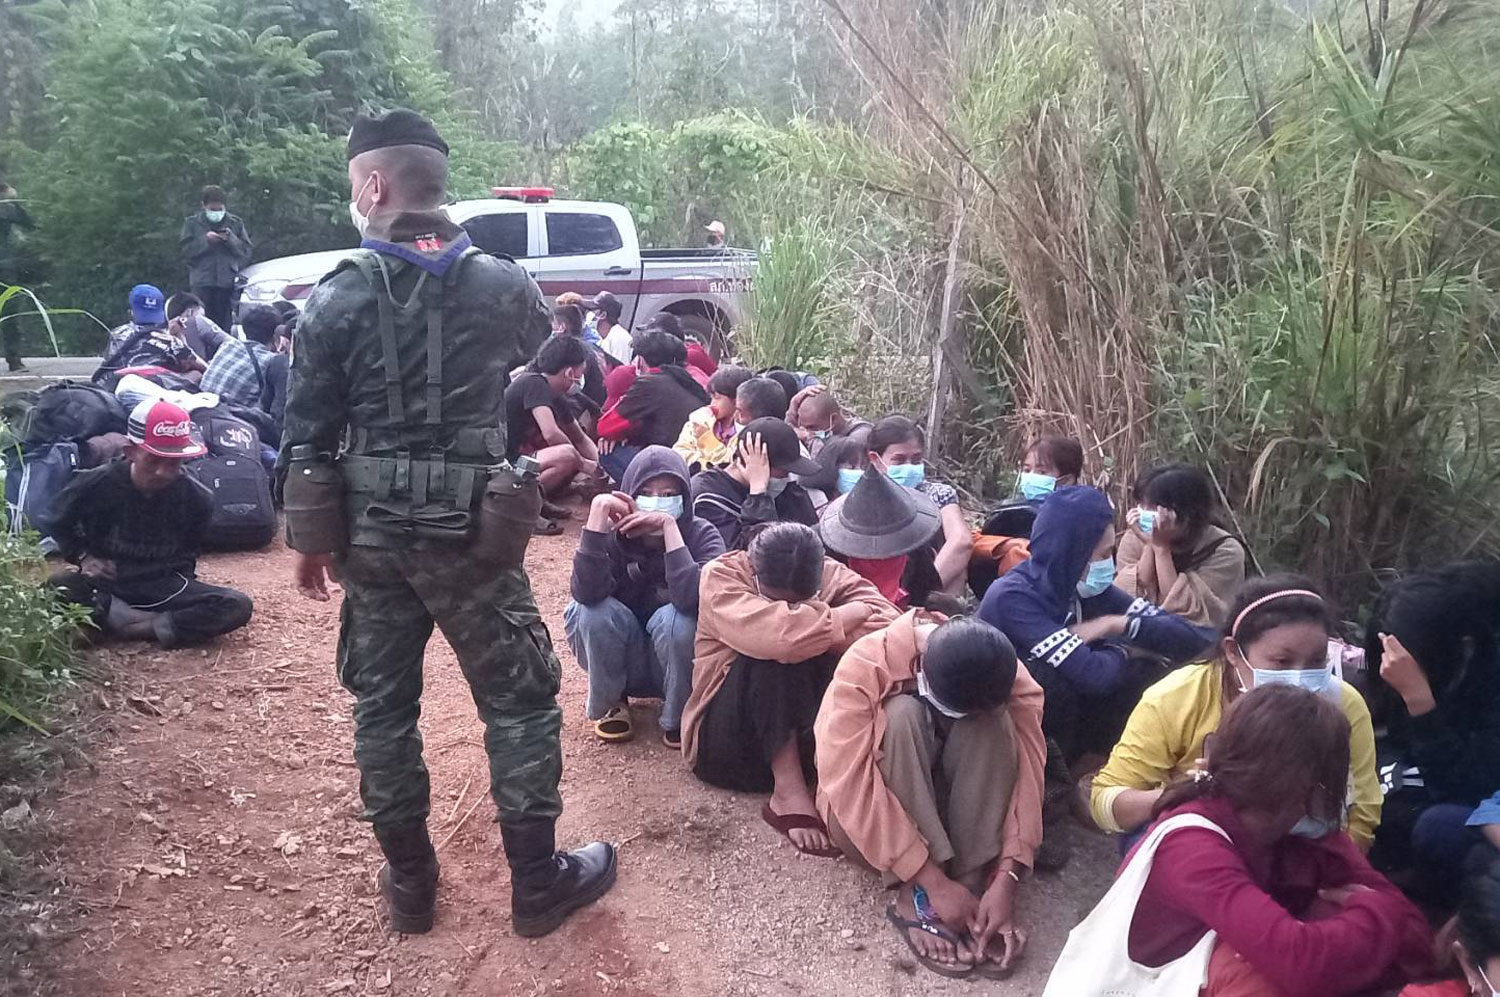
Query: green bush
{"points": [[36, 633]]}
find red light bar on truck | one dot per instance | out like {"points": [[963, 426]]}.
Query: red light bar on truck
{"points": [[526, 195]]}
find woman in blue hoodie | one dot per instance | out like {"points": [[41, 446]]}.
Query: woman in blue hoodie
{"points": [[1076, 630], [635, 594]]}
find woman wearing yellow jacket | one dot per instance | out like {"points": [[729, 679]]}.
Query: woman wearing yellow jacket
{"points": [[1277, 632]]}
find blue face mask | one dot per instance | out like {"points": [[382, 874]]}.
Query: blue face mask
{"points": [[1319, 680], [669, 504], [1035, 487], [1101, 575], [821, 434], [1146, 521], [1314, 827], [907, 475], [848, 478]]}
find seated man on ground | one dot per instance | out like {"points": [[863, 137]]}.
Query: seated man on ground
{"points": [[1173, 553], [634, 612], [1050, 463], [759, 398], [818, 418], [1277, 633], [772, 624], [882, 531], [588, 399], [187, 319], [1076, 630], [656, 406], [930, 756], [757, 486], [251, 374], [708, 438], [132, 527], [539, 423], [146, 343], [614, 338], [1476, 950]]}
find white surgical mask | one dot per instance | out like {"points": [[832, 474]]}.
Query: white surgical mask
{"points": [[669, 504], [361, 221], [924, 689], [214, 216]]}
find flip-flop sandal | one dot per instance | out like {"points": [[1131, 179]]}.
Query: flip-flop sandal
{"points": [[547, 528], [990, 970], [904, 926], [615, 726], [784, 824]]}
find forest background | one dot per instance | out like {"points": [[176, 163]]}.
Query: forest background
{"points": [[1264, 238]]}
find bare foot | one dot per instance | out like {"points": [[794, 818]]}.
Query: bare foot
{"points": [[951, 956], [792, 801]]}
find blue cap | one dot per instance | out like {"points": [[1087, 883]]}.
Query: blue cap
{"points": [[148, 306]]}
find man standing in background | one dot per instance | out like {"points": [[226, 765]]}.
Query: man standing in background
{"points": [[715, 230], [216, 248], [12, 217]]}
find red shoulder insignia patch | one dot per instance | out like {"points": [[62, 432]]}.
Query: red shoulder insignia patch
{"points": [[429, 243]]}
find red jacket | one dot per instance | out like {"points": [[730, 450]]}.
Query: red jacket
{"points": [[1264, 904]]}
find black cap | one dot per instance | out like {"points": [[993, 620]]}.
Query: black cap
{"points": [[782, 446], [398, 127], [606, 303]]}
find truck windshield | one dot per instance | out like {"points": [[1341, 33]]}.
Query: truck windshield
{"points": [[575, 234], [503, 233]]}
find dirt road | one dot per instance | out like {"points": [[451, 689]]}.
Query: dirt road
{"points": [[214, 850]]}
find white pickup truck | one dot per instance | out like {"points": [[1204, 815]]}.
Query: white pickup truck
{"points": [[583, 246]]}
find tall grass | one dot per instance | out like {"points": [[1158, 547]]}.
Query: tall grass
{"points": [[1222, 232]]}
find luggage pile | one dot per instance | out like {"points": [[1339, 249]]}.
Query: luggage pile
{"points": [[74, 425]]}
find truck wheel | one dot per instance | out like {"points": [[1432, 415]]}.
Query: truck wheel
{"points": [[713, 336]]}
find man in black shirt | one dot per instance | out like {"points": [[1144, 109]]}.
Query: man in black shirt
{"points": [[540, 422], [132, 527], [756, 487]]}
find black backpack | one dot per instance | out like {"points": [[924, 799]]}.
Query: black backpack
{"points": [[71, 412], [244, 517], [226, 435], [34, 478]]}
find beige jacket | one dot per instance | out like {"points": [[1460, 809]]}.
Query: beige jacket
{"points": [[735, 619], [849, 731], [1201, 594]]}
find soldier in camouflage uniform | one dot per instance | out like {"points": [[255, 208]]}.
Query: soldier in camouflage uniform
{"points": [[399, 369]]}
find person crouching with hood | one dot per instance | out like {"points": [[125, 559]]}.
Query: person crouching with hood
{"points": [[1076, 630], [635, 594]]}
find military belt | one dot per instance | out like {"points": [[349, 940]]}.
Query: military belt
{"points": [[423, 480]]}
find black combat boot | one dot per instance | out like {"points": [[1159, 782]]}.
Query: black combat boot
{"points": [[408, 881], [547, 885]]}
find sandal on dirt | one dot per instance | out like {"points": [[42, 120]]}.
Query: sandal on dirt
{"points": [[547, 528], [615, 726], [905, 925], [784, 824]]}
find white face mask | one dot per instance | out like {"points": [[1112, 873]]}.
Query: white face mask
{"points": [[361, 221], [924, 689]]}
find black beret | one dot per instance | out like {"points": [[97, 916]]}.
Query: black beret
{"points": [[398, 127]]}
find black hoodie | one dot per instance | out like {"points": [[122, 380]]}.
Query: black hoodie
{"points": [[643, 577]]}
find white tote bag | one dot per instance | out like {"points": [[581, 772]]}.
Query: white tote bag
{"points": [[1096, 960]]}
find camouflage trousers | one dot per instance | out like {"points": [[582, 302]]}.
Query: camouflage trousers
{"points": [[392, 598]]}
